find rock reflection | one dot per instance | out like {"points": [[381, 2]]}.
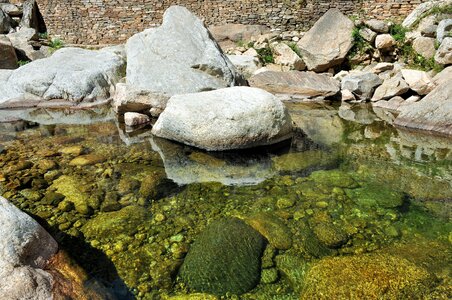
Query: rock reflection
{"points": [[185, 165]]}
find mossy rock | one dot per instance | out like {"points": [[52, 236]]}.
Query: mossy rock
{"points": [[376, 195], [73, 189], [301, 161], [293, 268], [272, 228], [111, 224], [330, 235], [225, 258], [333, 178], [371, 276]]}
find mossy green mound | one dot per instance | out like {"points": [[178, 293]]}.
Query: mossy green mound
{"points": [[376, 195], [225, 258]]}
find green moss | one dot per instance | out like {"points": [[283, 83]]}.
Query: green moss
{"points": [[266, 55], [376, 195]]}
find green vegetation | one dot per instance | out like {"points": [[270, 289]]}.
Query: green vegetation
{"points": [[22, 62], [43, 35], [266, 55], [360, 45], [398, 32], [295, 48], [56, 44]]}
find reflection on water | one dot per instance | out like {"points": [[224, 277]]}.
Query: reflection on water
{"points": [[352, 208]]}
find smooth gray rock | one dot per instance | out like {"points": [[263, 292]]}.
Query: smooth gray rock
{"points": [[247, 65], [444, 27], [443, 55], [425, 46], [129, 99], [384, 41], [377, 25], [440, 78], [21, 40], [421, 9], [419, 81], [32, 17], [225, 258], [135, 119], [295, 84], [327, 43], [230, 118], [361, 85], [24, 251], [432, 113], [394, 86], [5, 22], [11, 9], [368, 34], [178, 57], [285, 56], [8, 58], [71, 74]]}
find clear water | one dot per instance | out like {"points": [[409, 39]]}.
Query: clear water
{"points": [[350, 208]]}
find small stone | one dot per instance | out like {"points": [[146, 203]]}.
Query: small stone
{"points": [[377, 25], [321, 204], [425, 46], [86, 160], [134, 119], [273, 229], [72, 150], [159, 217], [269, 276], [346, 95], [368, 35], [384, 42], [285, 203], [65, 206], [330, 235]]}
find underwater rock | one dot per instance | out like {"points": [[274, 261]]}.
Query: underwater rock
{"points": [[303, 161], [74, 190], [370, 276], [225, 258], [330, 235], [293, 268], [109, 225], [86, 160], [273, 229], [376, 195], [185, 167]]}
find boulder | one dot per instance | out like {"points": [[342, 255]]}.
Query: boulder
{"points": [[303, 85], [362, 85], [247, 65], [377, 25], [421, 10], [432, 113], [367, 34], [394, 86], [8, 58], [327, 43], [425, 46], [444, 27], [5, 22], [444, 53], [22, 42], [285, 56], [384, 42], [11, 9], [440, 78], [419, 81], [32, 17], [224, 259], [178, 57], [129, 99], [231, 118], [24, 252], [71, 74]]}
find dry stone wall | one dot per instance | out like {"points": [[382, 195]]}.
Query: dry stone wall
{"points": [[93, 22]]}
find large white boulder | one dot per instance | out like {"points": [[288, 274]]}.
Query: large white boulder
{"points": [[224, 119], [25, 249], [432, 113], [327, 43], [178, 57], [71, 74]]}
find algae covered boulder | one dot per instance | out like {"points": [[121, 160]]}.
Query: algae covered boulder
{"points": [[372, 276], [225, 258]]}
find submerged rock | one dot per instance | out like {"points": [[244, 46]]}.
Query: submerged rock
{"points": [[178, 57], [371, 276], [231, 118], [327, 43], [225, 258], [273, 229]]}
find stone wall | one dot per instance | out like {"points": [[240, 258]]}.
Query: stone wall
{"points": [[113, 21]]}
